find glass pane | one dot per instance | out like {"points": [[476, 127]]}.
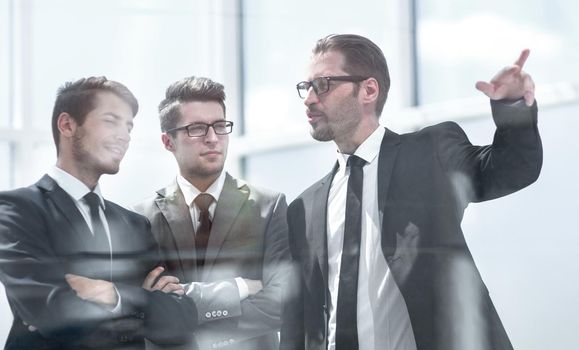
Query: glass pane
{"points": [[5, 68], [462, 42], [7, 166], [146, 45], [278, 38]]}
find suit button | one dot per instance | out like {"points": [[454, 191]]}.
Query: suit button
{"points": [[213, 313], [208, 314], [225, 312], [218, 313]]}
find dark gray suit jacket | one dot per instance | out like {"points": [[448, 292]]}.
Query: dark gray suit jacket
{"points": [[43, 236], [425, 181], [248, 239]]}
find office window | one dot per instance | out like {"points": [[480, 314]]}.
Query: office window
{"points": [[4, 63], [6, 173], [462, 42], [143, 44], [278, 39]]}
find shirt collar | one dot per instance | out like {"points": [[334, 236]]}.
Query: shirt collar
{"points": [[368, 150], [190, 192], [73, 186]]}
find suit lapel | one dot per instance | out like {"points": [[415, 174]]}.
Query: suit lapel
{"points": [[81, 233], [172, 205], [317, 232], [388, 153], [230, 202]]}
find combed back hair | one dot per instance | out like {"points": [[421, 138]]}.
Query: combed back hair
{"points": [[78, 98], [362, 57], [191, 89]]}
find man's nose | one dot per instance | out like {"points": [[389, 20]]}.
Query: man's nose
{"points": [[311, 97], [211, 136]]}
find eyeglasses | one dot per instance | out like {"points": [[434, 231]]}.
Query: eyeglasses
{"points": [[321, 85], [222, 127]]}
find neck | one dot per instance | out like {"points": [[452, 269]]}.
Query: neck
{"points": [[86, 176], [349, 143], [201, 183]]}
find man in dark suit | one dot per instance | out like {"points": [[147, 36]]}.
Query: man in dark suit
{"points": [[380, 258], [79, 271], [218, 233]]}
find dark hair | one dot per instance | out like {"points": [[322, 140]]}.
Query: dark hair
{"points": [[191, 89], [362, 57], [78, 98]]}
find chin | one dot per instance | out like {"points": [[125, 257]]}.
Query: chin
{"points": [[110, 169], [321, 135]]}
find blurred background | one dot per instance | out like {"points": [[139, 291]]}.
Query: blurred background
{"points": [[436, 50]]}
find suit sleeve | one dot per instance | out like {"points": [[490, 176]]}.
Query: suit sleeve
{"points": [[260, 313], [510, 163]]}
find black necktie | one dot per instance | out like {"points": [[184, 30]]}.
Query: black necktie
{"points": [[346, 312], [203, 201], [100, 242]]}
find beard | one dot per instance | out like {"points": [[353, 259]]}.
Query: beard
{"points": [[345, 119], [85, 156], [320, 133]]}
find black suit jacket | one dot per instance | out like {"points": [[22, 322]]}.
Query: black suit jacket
{"points": [[425, 181], [43, 236]]}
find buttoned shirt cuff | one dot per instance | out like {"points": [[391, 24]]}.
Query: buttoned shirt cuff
{"points": [[242, 288]]}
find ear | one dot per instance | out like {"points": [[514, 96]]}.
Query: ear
{"points": [[66, 125], [370, 90], [167, 142]]}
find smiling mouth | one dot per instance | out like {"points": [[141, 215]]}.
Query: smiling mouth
{"points": [[117, 150], [211, 153]]}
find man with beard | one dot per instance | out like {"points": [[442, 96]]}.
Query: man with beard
{"points": [[381, 261], [79, 271], [225, 237]]}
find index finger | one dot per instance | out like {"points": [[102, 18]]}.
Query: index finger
{"points": [[152, 277], [522, 58]]}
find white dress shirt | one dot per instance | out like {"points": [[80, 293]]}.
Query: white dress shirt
{"points": [[191, 192], [383, 320], [76, 189]]}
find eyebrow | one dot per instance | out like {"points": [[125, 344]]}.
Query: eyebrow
{"points": [[203, 123]]}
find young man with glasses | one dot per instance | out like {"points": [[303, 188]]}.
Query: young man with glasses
{"points": [[225, 238], [380, 258]]}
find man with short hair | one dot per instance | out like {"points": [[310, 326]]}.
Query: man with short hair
{"points": [[79, 271], [380, 258], [224, 237]]}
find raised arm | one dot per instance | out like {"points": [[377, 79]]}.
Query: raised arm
{"points": [[511, 83]]}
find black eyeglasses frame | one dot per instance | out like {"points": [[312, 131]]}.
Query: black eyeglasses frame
{"points": [[228, 125]]}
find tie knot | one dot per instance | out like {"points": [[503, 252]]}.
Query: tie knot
{"points": [[203, 201], [355, 161], [93, 200]]}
